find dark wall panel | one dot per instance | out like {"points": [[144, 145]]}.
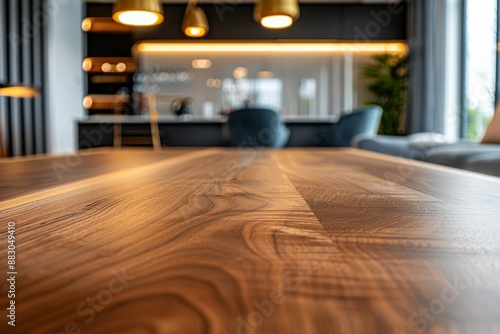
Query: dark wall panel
{"points": [[385, 22], [22, 55], [316, 21]]}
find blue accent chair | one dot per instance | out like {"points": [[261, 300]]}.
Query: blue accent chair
{"points": [[363, 121], [257, 127]]}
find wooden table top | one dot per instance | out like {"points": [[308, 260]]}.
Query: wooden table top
{"points": [[228, 241]]}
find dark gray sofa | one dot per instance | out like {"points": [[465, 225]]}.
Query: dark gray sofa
{"points": [[481, 158]]}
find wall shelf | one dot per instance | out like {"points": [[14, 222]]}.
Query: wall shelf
{"points": [[104, 25], [109, 65], [109, 79], [104, 102]]}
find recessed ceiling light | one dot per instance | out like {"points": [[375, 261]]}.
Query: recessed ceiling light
{"points": [[121, 67], [240, 72], [201, 63], [213, 83], [265, 74], [106, 67]]}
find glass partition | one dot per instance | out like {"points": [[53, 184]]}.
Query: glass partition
{"points": [[299, 83]]}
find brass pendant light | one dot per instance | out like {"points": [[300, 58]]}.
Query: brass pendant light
{"points": [[138, 12], [276, 14], [195, 22], [19, 91]]}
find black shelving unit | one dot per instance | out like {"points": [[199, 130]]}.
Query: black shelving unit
{"points": [[109, 46]]}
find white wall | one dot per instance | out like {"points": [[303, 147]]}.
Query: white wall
{"points": [[65, 76]]}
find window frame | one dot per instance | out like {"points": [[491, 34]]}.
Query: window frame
{"points": [[463, 69]]}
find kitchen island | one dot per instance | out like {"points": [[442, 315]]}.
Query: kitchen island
{"points": [[98, 131]]}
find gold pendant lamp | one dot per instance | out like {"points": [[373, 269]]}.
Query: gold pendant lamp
{"points": [[276, 14], [195, 22], [138, 12], [19, 91]]}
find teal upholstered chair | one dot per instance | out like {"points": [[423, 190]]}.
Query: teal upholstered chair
{"points": [[363, 121], [258, 127]]}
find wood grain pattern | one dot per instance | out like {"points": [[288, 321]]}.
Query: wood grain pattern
{"points": [[24, 175], [230, 241]]}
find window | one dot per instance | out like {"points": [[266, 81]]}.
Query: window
{"points": [[245, 93], [480, 66], [307, 97]]}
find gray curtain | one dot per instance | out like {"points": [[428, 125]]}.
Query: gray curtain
{"points": [[426, 37], [22, 55]]}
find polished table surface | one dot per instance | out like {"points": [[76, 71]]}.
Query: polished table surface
{"points": [[229, 241]]}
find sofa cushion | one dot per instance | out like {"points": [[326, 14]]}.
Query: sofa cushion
{"points": [[487, 163], [412, 147], [457, 155], [492, 135], [391, 145], [424, 141]]}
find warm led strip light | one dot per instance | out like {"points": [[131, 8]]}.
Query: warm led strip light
{"points": [[302, 47]]}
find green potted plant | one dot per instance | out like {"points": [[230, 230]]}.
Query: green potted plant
{"points": [[389, 75]]}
